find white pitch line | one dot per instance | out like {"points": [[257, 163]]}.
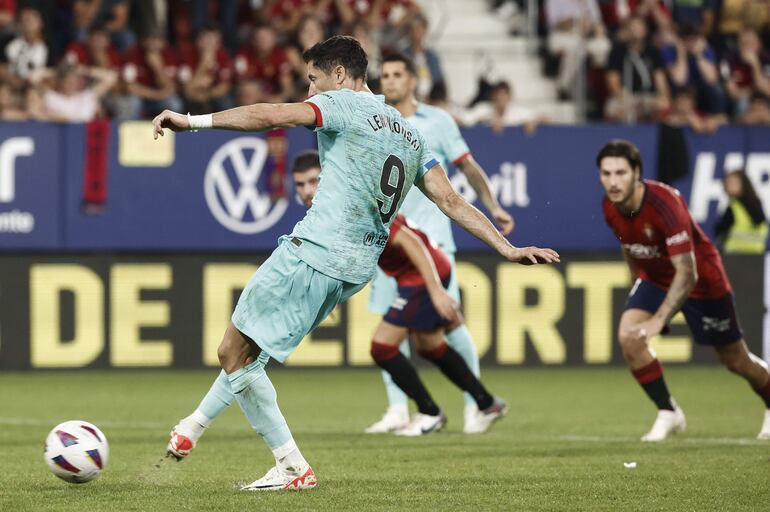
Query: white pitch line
{"points": [[729, 441]]}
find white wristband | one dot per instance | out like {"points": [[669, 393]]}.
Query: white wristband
{"points": [[200, 122]]}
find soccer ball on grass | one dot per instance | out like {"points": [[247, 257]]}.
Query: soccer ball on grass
{"points": [[76, 451]]}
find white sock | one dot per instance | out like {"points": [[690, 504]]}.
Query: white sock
{"points": [[400, 409], [201, 419], [288, 457], [196, 423]]}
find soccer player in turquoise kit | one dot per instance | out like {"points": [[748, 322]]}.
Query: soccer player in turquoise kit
{"points": [[398, 81], [370, 158]]}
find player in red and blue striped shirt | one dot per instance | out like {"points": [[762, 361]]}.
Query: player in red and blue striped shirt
{"points": [[676, 268]]}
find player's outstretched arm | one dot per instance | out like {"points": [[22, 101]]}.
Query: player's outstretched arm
{"points": [[435, 185], [418, 254], [479, 182], [257, 117]]}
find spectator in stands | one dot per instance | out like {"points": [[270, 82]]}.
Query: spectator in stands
{"points": [[310, 31], [96, 51], [758, 112], [11, 104], [82, 15], [426, 61], [500, 111], [27, 52], [375, 13], [616, 13], [747, 70], [266, 62], [736, 16], [149, 72], [743, 227], [249, 92], [114, 16], [7, 17], [575, 30], [286, 16], [684, 113], [692, 63], [206, 73], [636, 80], [695, 13], [75, 94], [227, 14], [99, 52], [368, 39]]}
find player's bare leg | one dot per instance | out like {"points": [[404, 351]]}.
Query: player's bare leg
{"points": [[739, 360], [244, 364], [386, 353], [648, 372], [432, 346]]}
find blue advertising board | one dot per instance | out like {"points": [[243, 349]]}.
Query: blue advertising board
{"points": [[711, 156], [549, 182], [30, 174], [211, 191], [213, 195]]}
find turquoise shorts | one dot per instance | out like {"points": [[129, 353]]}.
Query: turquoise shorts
{"points": [[384, 290], [285, 299]]}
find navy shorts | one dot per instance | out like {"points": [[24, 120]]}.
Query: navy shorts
{"points": [[413, 309], [711, 321]]}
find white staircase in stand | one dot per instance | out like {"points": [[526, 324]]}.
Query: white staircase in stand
{"points": [[467, 36]]}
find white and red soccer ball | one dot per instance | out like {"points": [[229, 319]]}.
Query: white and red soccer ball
{"points": [[76, 451]]}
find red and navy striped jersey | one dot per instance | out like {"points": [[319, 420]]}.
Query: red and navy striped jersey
{"points": [[662, 228], [395, 263]]}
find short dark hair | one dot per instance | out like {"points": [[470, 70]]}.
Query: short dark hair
{"points": [[209, 26], [758, 96], [400, 57], [502, 85], [342, 51], [621, 149], [689, 30], [98, 28], [305, 161], [437, 92], [687, 90]]}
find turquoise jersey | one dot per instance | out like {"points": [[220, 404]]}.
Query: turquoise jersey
{"points": [[370, 158], [447, 144]]}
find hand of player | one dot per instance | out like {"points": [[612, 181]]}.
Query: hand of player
{"points": [[644, 331], [504, 221], [533, 256], [446, 306], [172, 120]]}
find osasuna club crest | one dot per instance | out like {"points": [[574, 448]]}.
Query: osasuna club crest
{"points": [[648, 232]]}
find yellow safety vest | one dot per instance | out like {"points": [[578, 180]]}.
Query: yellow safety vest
{"points": [[745, 237]]}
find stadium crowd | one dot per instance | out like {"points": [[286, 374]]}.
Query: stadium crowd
{"points": [[697, 63], [127, 59]]}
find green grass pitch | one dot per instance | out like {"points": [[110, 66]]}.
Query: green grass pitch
{"points": [[562, 446]]}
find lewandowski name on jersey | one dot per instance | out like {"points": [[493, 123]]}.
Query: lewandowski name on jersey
{"points": [[380, 121]]}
